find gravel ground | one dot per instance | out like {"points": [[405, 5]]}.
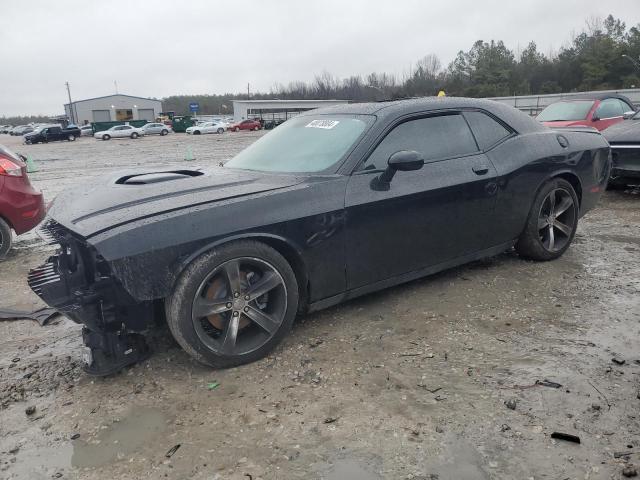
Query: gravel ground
{"points": [[435, 379]]}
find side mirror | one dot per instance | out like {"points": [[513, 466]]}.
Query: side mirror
{"points": [[628, 115], [403, 161]]}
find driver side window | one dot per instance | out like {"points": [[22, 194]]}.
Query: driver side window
{"points": [[611, 107], [436, 138]]}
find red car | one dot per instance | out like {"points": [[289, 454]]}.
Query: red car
{"points": [[21, 206], [245, 125], [597, 111]]}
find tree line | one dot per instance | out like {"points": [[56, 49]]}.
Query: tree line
{"points": [[605, 55]]}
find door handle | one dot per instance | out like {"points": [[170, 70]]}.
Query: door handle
{"points": [[480, 169]]}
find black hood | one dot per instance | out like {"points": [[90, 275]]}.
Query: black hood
{"points": [[121, 198], [626, 131]]}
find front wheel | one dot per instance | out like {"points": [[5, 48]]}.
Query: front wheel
{"points": [[196, 132], [71, 137], [233, 305], [164, 132], [256, 128], [134, 135], [106, 137], [552, 222], [220, 131], [5, 238]]}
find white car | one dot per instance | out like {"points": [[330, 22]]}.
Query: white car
{"points": [[119, 131], [207, 127], [156, 129], [86, 130]]}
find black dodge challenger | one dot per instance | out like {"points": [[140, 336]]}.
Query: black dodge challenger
{"points": [[332, 204]]}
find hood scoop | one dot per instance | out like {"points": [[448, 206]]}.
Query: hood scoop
{"points": [[157, 177]]}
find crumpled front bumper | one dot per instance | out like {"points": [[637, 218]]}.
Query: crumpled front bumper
{"points": [[76, 281]]}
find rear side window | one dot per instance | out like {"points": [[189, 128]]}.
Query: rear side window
{"points": [[435, 138], [487, 130]]}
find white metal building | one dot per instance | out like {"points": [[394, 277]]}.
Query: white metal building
{"points": [[113, 108], [277, 109]]}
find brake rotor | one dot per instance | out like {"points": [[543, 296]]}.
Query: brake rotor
{"points": [[218, 289]]}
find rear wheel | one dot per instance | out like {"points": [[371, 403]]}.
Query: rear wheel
{"points": [[552, 222], [196, 132], [256, 128], [5, 238], [233, 305], [106, 137], [134, 135], [220, 131], [164, 132], [71, 137]]}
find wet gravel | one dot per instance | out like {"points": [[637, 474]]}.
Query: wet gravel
{"points": [[467, 374]]}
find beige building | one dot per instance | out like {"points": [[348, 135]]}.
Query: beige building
{"points": [[113, 108]]}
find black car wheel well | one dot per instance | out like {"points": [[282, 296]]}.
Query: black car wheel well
{"points": [[575, 183], [294, 259]]}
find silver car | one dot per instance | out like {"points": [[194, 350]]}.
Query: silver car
{"points": [[156, 129]]}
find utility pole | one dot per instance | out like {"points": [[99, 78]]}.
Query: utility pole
{"points": [[73, 120], [248, 94], [115, 82]]}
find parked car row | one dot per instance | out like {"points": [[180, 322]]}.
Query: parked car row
{"points": [[122, 131]]}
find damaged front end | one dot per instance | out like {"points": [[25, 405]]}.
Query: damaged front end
{"points": [[77, 282]]}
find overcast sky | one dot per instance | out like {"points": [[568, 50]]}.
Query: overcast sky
{"points": [[160, 48]]}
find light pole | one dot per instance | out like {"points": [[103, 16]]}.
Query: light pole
{"points": [[635, 64]]}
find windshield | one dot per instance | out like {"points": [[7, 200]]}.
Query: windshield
{"points": [[565, 111], [303, 144]]}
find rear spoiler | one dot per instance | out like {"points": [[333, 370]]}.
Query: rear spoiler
{"points": [[583, 129]]}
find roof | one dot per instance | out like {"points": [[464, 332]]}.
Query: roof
{"points": [[275, 100], [597, 96], [515, 118], [114, 95]]}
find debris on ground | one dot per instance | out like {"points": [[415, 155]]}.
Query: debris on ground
{"points": [[511, 403], [548, 383], [172, 450], [618, 360], [629, 471], [213, 385], [566, 437], [43, 315], [30, 410]]}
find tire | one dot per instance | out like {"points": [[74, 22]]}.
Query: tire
{"points": [[220, 131], [5, 238], [196, 132], [256, 128], [71, 137], [236, 129], [134, 135], [205, 338], [164, 132], [548, 234], [106, 137]]}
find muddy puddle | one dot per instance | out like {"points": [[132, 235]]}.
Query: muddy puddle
{"points": [[120, 439]]}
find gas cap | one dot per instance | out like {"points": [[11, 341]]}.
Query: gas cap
{"points": [[562, 140]]}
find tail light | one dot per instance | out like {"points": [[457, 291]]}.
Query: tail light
{"points": [[10, 168]]}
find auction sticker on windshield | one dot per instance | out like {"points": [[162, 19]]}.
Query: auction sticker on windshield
{"points": [[326, 124]]}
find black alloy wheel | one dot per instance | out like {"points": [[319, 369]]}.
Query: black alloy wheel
{"points": [[552, 222], [233, 305], [239, 306], [556, 220]]}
